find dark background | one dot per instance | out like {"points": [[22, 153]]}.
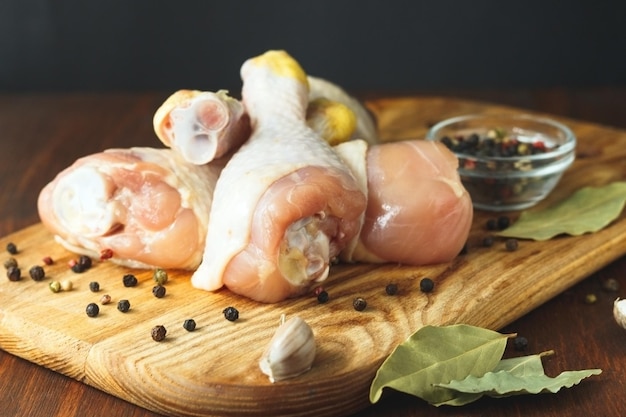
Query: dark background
{"points": [[387, 46]]}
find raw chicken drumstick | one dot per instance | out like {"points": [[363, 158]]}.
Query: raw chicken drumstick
{"points": [[202, 125], [418, 211], [285, 204], [146, 205]]}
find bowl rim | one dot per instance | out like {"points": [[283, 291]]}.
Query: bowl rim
{"points": [[568, 146]]}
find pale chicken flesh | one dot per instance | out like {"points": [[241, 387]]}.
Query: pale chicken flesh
{"points": [[146, 206], [418, 211], [285, 205]]}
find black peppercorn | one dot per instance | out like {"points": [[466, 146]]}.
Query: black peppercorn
{"points": [[78, 268], [10, 262], [85, 262], [189, 325], [94, 286], [11, 248], [427, 285], [158, 333], [511, 245], [129, 280], [123, 306], [359, 304], [391, 289], [322, 297], [488, 241], [14, 273], [37, 273], [503, 222], [492, 224], [158, 291], [520, 343], [231, 313], [92, 309]]}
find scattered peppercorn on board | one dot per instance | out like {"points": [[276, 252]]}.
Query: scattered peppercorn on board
{"points": [[213, 370]]}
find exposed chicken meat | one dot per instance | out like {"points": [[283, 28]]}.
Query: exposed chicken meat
{"points": [[146, 205], [201, 125], [418, 211], [285, 205]]}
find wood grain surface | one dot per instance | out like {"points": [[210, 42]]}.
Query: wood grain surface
{"points": [[43, 133], [213, 371]]}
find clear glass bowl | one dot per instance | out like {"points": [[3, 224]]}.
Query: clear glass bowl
{"points": [[544, 149]]}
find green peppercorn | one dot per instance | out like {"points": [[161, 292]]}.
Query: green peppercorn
{"points": [[123, 306], [10, 262], [160, 276], [94, 286], [189, 325], [322, 297], [85, 262], [129, 280], [92, 310], [11, 248], [158, 291], [158, 333], [511, 245], [359, 304], [391, 289], [14, 273], [231, 313], [520, 343], [590, 298], [37, 273], [55, 286], [427, 285]]}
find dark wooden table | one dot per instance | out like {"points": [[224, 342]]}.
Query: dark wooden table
{"points": [[42, 134]]}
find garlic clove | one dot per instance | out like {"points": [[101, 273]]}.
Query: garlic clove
{"points": [[291, 350], [619, 312]]}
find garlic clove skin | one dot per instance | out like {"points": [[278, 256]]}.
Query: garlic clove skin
{"points": [[291, 350], [619, 312]]}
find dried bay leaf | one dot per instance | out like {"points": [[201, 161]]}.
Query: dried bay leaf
{"points": [[587, 210], [522, 366], [503, 383], [435, 355]]}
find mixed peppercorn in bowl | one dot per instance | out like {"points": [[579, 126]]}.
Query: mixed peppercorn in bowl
{"points": [[507, 162]]}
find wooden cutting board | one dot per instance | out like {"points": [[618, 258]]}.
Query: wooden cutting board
{"points": [[214, 371]]}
